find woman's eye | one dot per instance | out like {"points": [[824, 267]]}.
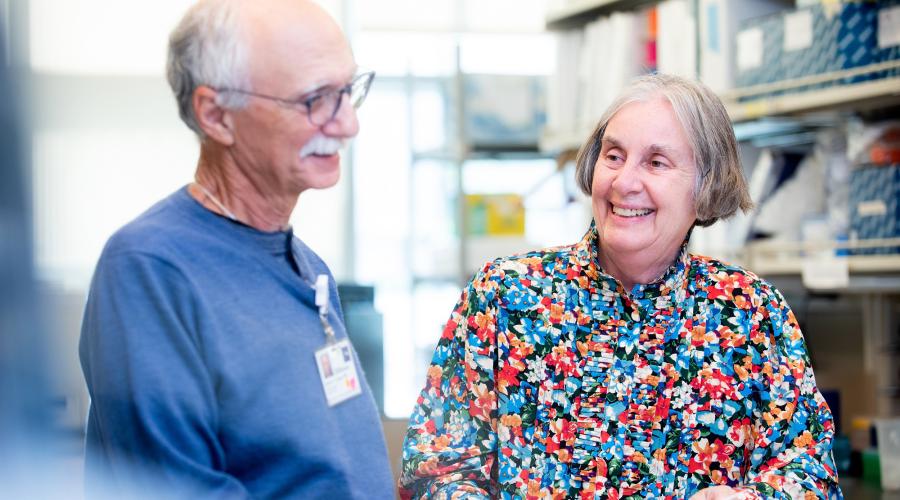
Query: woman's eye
{"points": [[657, 164]]}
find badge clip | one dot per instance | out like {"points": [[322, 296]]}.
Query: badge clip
{"points": [[322, 304]]}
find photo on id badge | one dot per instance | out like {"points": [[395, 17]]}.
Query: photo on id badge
{"points": [[337, 371], [325, 361]]}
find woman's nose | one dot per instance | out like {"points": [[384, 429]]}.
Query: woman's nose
{"points": [[628, 178]]}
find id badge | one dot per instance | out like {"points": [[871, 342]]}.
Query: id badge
{"points": [[338, 372]]}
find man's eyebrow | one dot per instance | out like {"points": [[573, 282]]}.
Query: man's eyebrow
{"points": [[312, 90], [322, 86]]}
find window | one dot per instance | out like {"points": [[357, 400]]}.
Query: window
{"points": [[409, 176]]}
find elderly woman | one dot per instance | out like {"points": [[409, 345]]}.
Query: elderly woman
{"points": [[623, 366]]}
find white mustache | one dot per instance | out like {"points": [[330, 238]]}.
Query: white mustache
{"points": [[321, 145]]}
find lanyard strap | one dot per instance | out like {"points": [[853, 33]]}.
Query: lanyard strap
{"points": [[322, 303]]}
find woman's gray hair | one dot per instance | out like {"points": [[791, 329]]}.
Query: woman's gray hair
{"points": [[720, 188], [207, 48]]}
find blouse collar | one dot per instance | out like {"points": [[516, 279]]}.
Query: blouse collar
{"points": [[587, 255]]}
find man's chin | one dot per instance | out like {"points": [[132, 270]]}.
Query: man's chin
{"points": [[321, 182]]}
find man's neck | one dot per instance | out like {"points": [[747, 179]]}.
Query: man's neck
{"points": [[228, 192]]}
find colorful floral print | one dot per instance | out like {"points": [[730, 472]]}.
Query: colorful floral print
{"points": [[550, 381]]}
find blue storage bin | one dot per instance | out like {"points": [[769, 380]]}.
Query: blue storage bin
{"points": [[875, 205], [839, 37], [888, 10]]}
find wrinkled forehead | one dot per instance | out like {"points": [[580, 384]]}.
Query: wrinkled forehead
{"points": [[651, 123]]}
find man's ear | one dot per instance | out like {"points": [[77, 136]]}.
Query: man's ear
{"points": [[213, 119]]}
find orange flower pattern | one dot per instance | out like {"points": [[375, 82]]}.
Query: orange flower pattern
{"points": [[550, 381]]}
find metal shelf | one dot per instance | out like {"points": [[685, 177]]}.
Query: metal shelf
{"points": [[578, 12]]}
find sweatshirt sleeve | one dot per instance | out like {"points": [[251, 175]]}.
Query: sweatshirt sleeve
{"points": [[793, 426], [451, 444], [153, 419]]}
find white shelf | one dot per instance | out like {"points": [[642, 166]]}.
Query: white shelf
{"points": [[577, 12], [864, 95], [868, 273], [863, 264]]}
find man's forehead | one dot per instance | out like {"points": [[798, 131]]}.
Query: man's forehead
{"points": [[303, 45], [294, 25]]}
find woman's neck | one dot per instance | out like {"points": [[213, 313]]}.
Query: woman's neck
{"points": [[635, 269]]}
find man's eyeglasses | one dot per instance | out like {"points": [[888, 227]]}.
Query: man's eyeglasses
{"points": [[321, 106]]}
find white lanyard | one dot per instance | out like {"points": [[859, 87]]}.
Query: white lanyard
{"points": [[216, 202], [322, 294], [337, 368]]}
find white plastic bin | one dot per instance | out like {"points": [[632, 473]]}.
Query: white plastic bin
{"points": [[889, 452]]}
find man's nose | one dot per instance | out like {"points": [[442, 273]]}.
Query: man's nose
{"points": [[345, 123]]}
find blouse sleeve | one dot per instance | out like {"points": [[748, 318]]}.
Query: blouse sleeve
{"points": [[793, 427], [451, 442]]}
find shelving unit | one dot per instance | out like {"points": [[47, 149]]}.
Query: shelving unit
{"points": [[873, 282], [860, 96], [575, 14], [813, 102], [878, 273], [466, 146], [578, 12]]}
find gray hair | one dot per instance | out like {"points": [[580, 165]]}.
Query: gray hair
{"points": [[207, 48], [720, 188]]}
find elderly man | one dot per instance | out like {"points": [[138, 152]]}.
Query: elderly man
{"points": [[213, 344]]}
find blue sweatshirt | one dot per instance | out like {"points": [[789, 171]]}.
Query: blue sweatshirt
{"points": [[197, 347]]}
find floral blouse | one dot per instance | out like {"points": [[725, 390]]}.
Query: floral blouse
{"points": [[551, 381]]}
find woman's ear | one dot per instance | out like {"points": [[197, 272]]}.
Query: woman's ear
{"points": [[212, 118]]}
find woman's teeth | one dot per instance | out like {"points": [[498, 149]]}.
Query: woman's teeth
{"points": [[631, 212]]}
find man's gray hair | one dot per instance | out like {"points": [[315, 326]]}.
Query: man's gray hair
{"points": [[207, 48], [720, 188]]}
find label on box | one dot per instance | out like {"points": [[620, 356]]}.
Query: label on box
{"points": [[872, 208], [830, 8], [750, 49], [798, 30], [889, 27]]}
